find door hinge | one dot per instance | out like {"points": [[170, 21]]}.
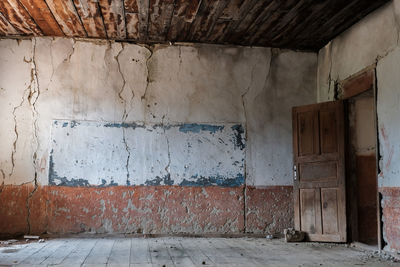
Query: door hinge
{"points": [[295, 172]]}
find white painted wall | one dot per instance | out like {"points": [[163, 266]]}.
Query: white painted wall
{"points": [[375, 39], [45, 79]]}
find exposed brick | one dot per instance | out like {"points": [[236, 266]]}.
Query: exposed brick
{"points": [[145, 209], [269, 209], [13, 210], [391, 216]]}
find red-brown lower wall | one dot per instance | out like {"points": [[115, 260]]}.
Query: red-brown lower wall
{"points": [[391, 216], [144, 209], [269, 209]]}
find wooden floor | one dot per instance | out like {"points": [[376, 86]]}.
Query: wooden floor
{"points": [[119, 251]]}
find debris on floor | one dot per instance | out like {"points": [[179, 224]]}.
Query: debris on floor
{"points": [[31, 236], [292, 235], [171, 251], [8, 242]]}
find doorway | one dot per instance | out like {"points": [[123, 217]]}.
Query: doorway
{"points": [[362, 168], [363, 209]]}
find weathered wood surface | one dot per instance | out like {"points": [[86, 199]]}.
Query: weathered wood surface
{"points": [[117, 251], [304, 24], [89, 11], [43, 17], [114, 18], [18, 17], [67, 17]]}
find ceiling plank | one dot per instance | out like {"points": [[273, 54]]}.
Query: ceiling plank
{"points": [[143, 8], [204, 22], [131, 6], [160, 15], [237, 29], [284, 21], [278, 12], [90, 14], [6, 28], [295, 24], [183, 16], [114, 18], [218, 31], [43, 17], [339, 22], [232, 10], [19, 18], [132, 25], [132, 19], [230, 15], [65, 13], [301, 26]]}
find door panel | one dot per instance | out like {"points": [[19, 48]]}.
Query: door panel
{"points": [[307, 134], [328, 126], [310, 211], [319, 176], [317, 171], [329, 211]]}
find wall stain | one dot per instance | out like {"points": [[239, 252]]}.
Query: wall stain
{"points": [[166, 180], [239, 140], [63, 181], [196, 128], [214, 180], [132, 125]]}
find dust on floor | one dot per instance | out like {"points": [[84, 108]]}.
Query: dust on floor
{"points": [[180, 251]]}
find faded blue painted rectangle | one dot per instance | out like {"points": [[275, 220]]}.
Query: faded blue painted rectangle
{"points": [[104, 154]]}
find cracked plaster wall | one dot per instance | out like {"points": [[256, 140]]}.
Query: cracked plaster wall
{"points": [[374, 40], [44, 79]]}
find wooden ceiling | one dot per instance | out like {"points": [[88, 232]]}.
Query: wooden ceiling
{"points": [[296, 24]]}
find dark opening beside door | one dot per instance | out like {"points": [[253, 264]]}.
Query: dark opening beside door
{"points": [[319, 171]]}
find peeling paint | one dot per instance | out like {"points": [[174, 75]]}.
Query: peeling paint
{"points": [[239, 136], [152, 154], [132, 125], [196, 128], [209, 181]]}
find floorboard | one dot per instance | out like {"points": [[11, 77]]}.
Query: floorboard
{"points": [[179, 251]]}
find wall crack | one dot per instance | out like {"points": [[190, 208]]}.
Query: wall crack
{"points": [[243, 96], [73, 51], [32, 99], [167, 168], [128, 157], [125, 114], [150, 48]]}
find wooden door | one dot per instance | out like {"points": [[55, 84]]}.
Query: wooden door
{"points": [[319, 171]]}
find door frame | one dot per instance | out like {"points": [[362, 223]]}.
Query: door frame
{"points": [[357, 84]]}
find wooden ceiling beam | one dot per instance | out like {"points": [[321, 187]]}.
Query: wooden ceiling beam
{"points": [[131, 19], [6, 28], [296, 24], [299, 28], [143, 15], [91, 17], [160, 17], [19, 18], [183, 16], [237, 30], [244, 9], [67, 17], [114, 18], [43, 17]]}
